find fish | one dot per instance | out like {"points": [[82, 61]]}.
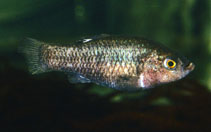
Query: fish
{"points": [[119, 62]]}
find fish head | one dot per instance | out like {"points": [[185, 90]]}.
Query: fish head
{"points": [[164, 68], [174, 68]]}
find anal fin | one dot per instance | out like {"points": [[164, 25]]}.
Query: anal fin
{"points": [[77, 79]]}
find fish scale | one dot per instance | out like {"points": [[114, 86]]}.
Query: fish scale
{"points": [[81, 59], [97, 62]]}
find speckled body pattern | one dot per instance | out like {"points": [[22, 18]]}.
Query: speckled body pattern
{"points": [[118, 62], [104, 61], [125, 63]]}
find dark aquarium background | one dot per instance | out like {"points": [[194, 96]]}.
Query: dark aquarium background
{"points": [[49, 103]]}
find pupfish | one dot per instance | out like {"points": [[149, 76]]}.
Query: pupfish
{"points": [[119, 62]]}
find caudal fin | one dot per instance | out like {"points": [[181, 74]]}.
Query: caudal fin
{"points": [[32, 51]]}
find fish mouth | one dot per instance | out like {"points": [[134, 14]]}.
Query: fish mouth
{"points": [[190, 67]]}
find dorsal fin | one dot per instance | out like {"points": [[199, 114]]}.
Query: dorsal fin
{"points": [[75, 78], [88, 39]]}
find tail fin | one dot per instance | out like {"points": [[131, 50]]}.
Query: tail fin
{"points": [[32, 51]]}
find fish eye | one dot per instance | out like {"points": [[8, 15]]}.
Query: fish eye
{"points": [[170, 64]]}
